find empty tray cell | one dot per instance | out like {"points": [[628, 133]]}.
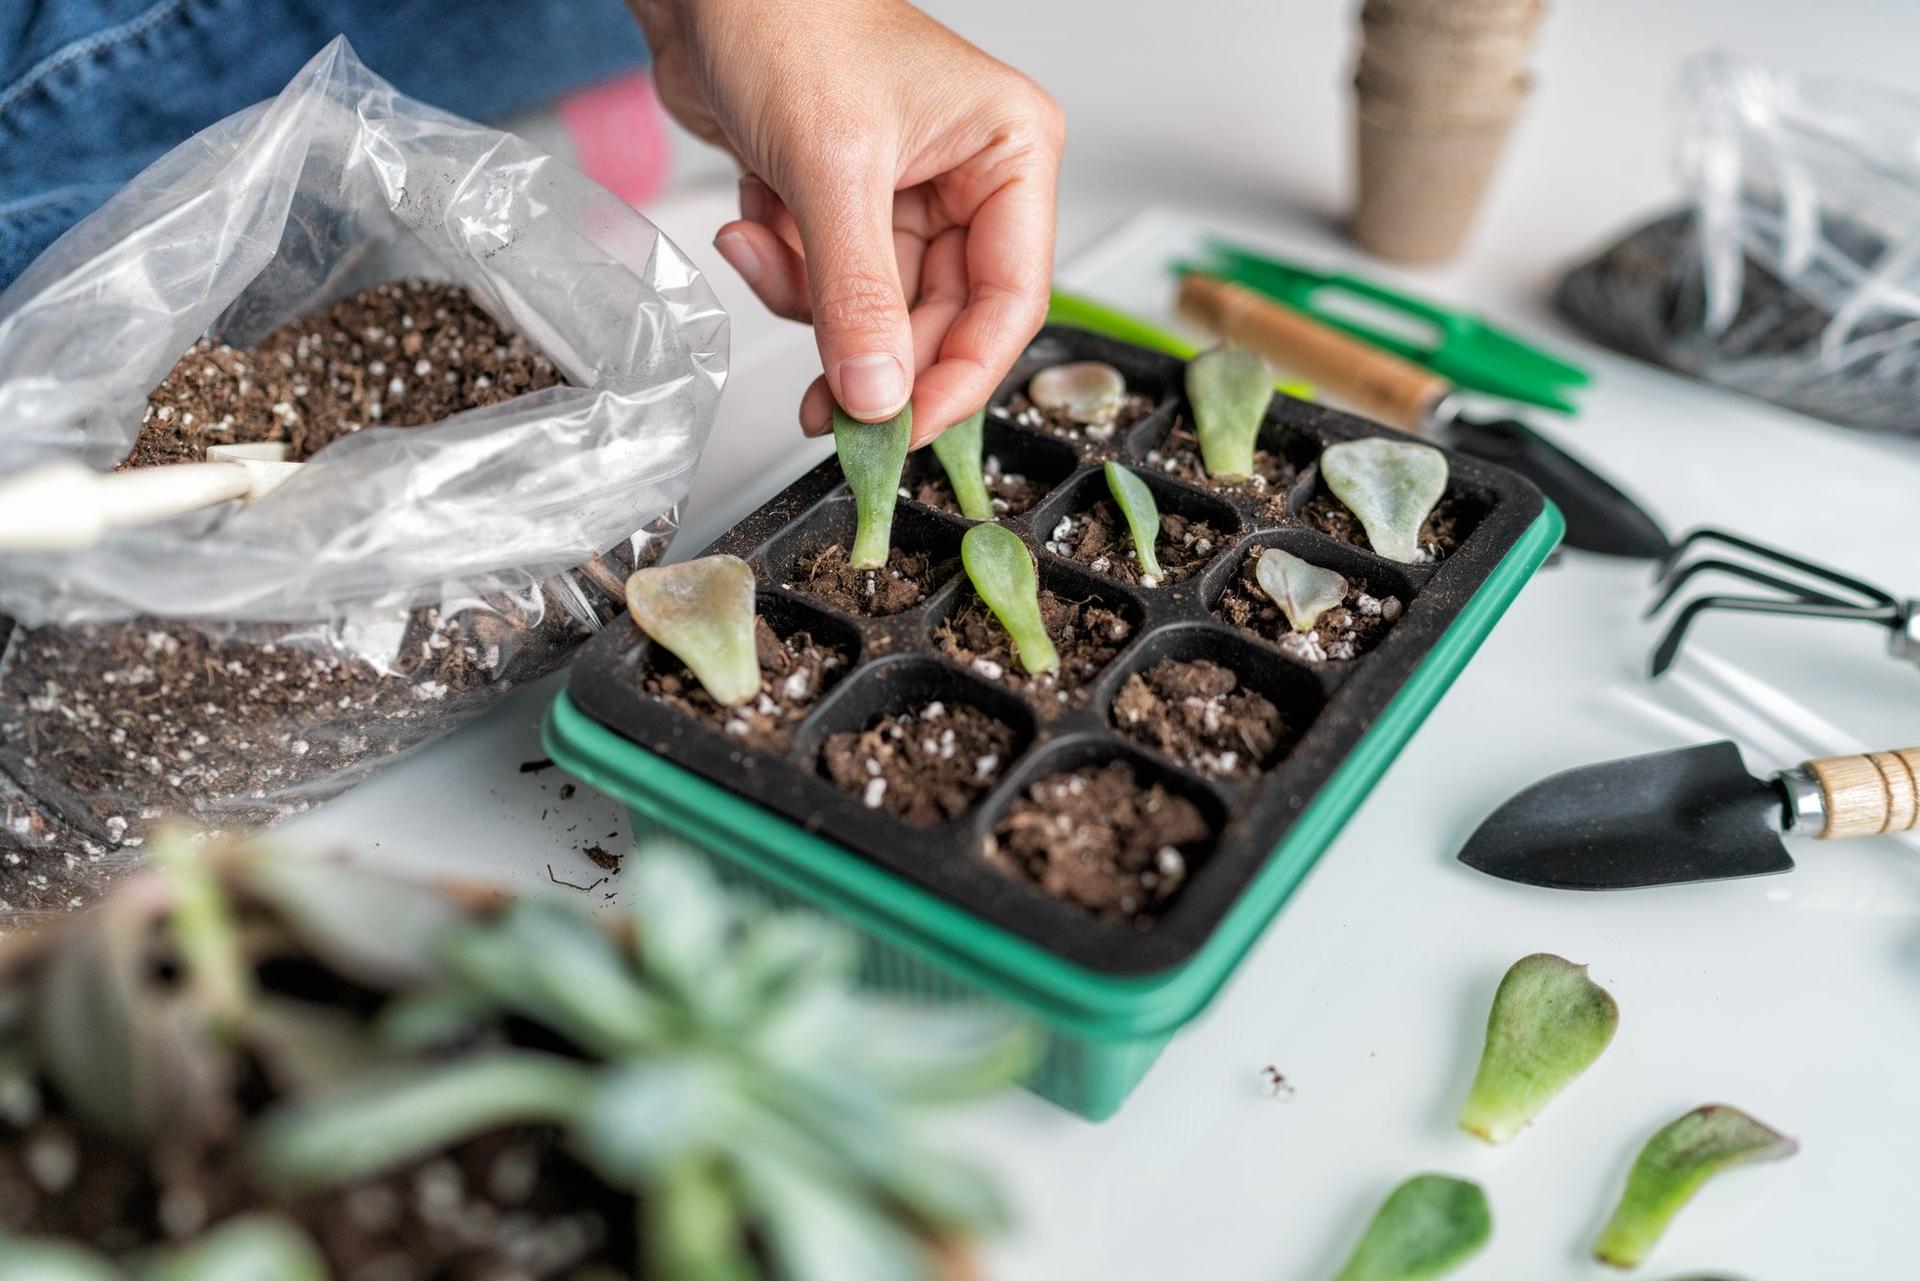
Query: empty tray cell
{"points": [[1089, 625], [1376, 598], [1021, 468], [1106, 830], [1452, 521], [920, 741], [1281, 455], [803, 653], [1144, 374], [811, 558], [1214, 702], [1086, 527]]}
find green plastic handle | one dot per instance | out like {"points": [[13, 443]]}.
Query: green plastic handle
{"points": [[1077, 312]]}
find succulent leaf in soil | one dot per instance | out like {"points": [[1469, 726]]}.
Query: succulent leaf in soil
{"points": [[702, 612], [1427, 1227], [871, 457], [255, 1248], [1089, 392], [1301, 589], [961, 450], [1002, 572], [1673, 1165], [1390, 486], [1229, 389], [1135, 501], [1549, 1023]]}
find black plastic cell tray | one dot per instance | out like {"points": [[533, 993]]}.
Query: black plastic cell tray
{"points": [[895, 664]]}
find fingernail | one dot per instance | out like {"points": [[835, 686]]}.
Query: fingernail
{"points": [[872, 387], [738, 251], [753, 199]]}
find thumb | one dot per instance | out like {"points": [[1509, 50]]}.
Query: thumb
{"points": [[859, 308]]}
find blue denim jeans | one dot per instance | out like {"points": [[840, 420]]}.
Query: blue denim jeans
{"points": [[93, 90]]}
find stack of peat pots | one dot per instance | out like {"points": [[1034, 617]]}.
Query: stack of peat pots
{"points": [[1438, 86]]}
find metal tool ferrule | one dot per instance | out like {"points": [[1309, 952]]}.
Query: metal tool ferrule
{"points": [[1906, 633], [1806, 811]]}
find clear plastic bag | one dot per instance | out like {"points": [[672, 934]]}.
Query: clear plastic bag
{"points": [[1793, 273], [406, 577]]}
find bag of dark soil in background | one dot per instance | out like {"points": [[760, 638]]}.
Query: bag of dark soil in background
{"points": [[503, 377], [1794, 273]]}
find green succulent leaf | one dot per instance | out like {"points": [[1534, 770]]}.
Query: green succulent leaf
{"points": [[819, 1229], [684, 924], [871, 457], [257, 1248], [644, 1118], [1229, 389], [1302, 589], [203, 929], [702, 611], [1087, 392], [23, 1260], [1135, 501], [381, 931], [697, 1225], [1427, 1227], [1548, 1024], [1002, 571], [961, 450], [930, 1055], [1671, 1168], [1391, 487]]}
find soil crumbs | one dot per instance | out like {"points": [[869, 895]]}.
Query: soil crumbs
{"points": [[907, 579], [1200, 714], [924, 767], [1340, 635], [1095, 838], [1444, 529], [795, 671], [1022, 412], [1010, 492], [1085, 633], [1099, 539], [1179, 456]]}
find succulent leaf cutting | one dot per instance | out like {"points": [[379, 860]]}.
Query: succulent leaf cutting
{"points": [[1229, 388], [1002, 572], [872, 456], [1427, 1227], [1088, 392], [1301, 589], [1673, 1165], [702, 612], [961, 451], [1548, 1024], [1142, 513], [1391, 487]]}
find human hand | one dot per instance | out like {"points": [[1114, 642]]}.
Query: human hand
{"points": [[898, 191]]}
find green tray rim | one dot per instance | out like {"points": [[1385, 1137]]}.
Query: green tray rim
{"points": [[1082, 1001]]}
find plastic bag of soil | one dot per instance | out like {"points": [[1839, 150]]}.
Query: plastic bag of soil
{"points": [[1793, 272], [503, 377]]}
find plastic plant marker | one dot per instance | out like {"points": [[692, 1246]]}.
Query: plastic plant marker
{"points": [[1671, 1168], [1229, 388], [1391, 487], [959, 449], [1002, 571], [1427, 1227], [871, 456], [1548, 1024], [1302, 589], [1085, 391], [702, 611], [1135, 501]]}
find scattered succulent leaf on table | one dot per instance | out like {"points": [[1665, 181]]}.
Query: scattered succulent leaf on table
{"points": [[1302, 589], [1427, 1227], [871, 457], [960, 449], [1003, 573], [1136, 503], [1391, 487], [702, 611], [1671, 1168], [1548, 1024], [1229, 388], [1084, 391]]}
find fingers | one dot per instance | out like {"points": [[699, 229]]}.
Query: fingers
{"points": [[771, 269]]}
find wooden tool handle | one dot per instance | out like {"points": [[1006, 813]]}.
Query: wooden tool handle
{"points": [[1375, 382], [1869, 795]]}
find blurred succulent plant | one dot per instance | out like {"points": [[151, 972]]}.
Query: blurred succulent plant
{"points": [[257, 1248], [1002, 572], [1230, 389], [871, 457], [716, 1061], [1391, 487], [1142, 514], [961, 450], [702, 611]]}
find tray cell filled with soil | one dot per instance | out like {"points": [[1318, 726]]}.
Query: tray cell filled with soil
{"points": [[1281, 457], [1150, 389], [1089, 622], [1084, 526], [1020, 468], [1449, 525], [1376, 599], [1211, 701], [920, 742], [811, 560]]}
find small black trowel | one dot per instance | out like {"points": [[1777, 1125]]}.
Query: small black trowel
{"points": [[1693, 814]]}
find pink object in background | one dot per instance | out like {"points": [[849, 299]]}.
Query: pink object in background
{"points": [[617, 133]]}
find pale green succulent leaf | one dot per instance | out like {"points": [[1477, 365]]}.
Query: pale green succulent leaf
{"points": [[818, 1229], [1391, 487], [961, 450], [696, 1225], [871, 457], [702, 612], [382, 931], [1135, 501], [1088, 392], [1229, 389], [1002, 572], [684, 925], [642, 1118], [935, 1054], [1548, 1024], [1302, 589], [257, 1248], [306, 1048], [1673, 1165], [36, 1260], [1427, 1227]]}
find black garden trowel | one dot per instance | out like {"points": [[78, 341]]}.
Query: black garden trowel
{"points": [[1693, 814]]}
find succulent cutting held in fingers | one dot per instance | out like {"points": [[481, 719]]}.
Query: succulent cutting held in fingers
{"points": [[872, 456], [702, 611], [1001, 569], [1391, 487], [1229, 389], [1084, 391], [1301, 589], [1548, 1024]]}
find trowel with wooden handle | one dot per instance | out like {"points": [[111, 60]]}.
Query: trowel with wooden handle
{"points": [[1693, 814], [67, 506]]}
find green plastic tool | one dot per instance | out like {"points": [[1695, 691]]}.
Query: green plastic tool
{"points": [[1460, 347]]}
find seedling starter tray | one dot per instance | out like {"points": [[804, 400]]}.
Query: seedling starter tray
{"points": [[940, 919]]}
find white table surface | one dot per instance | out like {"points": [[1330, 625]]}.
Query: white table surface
{"points": [[1795, 997]]}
